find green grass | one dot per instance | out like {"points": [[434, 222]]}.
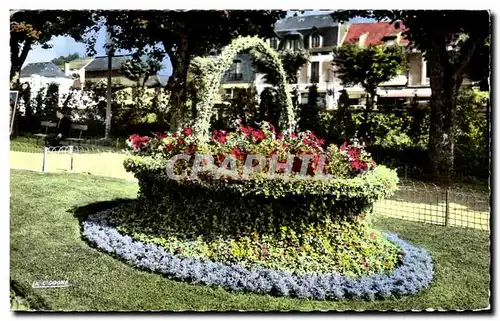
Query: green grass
{"points": [[46, 244]]}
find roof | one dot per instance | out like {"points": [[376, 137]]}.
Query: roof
{"points": [[157, 81], [79, 63], [375, 33], [305, 22], [44, 69], [101, 63]]}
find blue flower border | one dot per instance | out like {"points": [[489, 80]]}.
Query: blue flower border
{"points": [[414, 274]]}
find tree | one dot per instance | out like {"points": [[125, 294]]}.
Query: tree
{"points": [[368, 67], [64, 59], [182, 35], [37, 27], [309, 114], [140, 70], [449, 41]]}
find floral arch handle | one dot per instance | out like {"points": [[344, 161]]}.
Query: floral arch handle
{"points": [[212, 70]]}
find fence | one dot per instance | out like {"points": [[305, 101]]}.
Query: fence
{"points": [[428, 203], [80, 159], [413, 201]]}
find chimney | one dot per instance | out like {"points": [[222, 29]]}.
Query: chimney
{"points": [[66, 69]]}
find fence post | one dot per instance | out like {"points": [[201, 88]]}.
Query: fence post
{"points": [[71, 159], [44, 164], [447, 211]]}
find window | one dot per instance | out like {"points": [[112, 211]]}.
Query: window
{"points": [[237, 66], [315, 41], [293, 44], [237, 73], [274, 43], [314, 72], [353, 101]]}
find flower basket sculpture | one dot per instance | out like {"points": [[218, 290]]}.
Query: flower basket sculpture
{"points": [[258, 200]]}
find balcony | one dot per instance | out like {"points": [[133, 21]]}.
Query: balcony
{"points": [[234, 76]]}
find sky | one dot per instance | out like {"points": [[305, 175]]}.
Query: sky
{"points": [[63, 46]]}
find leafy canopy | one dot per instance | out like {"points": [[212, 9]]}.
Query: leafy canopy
{"points": [[140, 69], [61, 60], [368, 66]]}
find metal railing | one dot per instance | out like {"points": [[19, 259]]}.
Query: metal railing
{"points": [[234, 76]]}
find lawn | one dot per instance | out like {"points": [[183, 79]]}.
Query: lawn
{"points": [[89, 159], [46, 245]]}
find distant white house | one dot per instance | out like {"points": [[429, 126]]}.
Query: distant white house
{"points": [[41, 74]]}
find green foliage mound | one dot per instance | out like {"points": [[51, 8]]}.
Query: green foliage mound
{"points": [[351, 249]]}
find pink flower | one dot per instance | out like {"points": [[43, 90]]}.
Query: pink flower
{"points": [[187, 131]]}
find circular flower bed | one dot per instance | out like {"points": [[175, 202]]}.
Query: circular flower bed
{"points": [[276, 213], [413, 274]]}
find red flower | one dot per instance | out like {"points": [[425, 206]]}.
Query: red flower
{"points": [[160, 136], [238, 154], [359, 165], [219, 136], [247, 131], [273, 129], [180, 141], [138, 142], [258, 134], [354, 152], [190, 150], [344, 146], [168, 147], [187, 131]]}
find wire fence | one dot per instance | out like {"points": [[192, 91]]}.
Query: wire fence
{"points": [[95, 160], [447, 206], [413, 201]]}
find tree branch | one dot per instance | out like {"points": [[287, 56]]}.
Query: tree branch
{"points": [[466, 53]]}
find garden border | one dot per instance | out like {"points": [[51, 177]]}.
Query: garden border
{"points": [[414, 275]]}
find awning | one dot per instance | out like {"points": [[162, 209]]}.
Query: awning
{"points": [[405, 92], [237, 86]]}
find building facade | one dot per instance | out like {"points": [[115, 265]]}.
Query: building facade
{"points": [[319, 34]]}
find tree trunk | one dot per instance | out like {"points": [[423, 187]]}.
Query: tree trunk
{"points": [[17, 59], [368, 108], [109, 96], [177, 84], [446, 77], [441, 132]]}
